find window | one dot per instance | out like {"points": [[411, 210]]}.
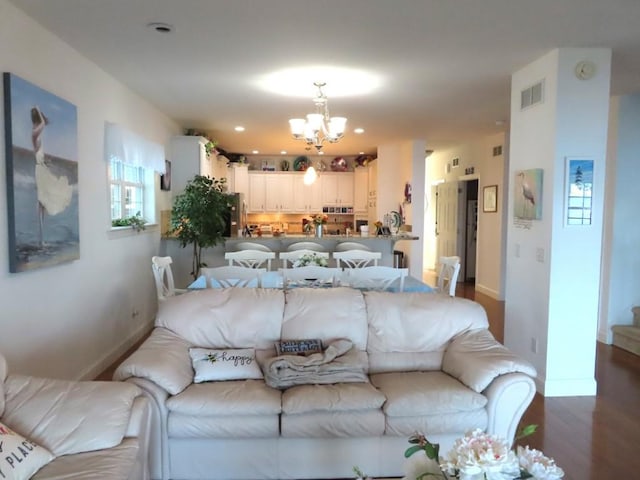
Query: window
{"points": [[133, 163], [127, 190]]}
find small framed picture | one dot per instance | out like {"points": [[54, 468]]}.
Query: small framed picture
{"points": [[578, 191], [490, 199]]}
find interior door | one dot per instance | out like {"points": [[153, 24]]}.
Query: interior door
{"points": [[471, 240], [447, 195]]}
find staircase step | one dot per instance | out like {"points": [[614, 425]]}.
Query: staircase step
{"points": [[627, 337]]}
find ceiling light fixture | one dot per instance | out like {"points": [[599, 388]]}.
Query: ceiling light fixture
{"points": [[318, 126]]}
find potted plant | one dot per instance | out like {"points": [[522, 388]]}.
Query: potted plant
{"points": [[199, 216]]}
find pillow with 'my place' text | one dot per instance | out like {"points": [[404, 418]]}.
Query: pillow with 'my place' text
{"points": [[211, 365], [19, 457]]}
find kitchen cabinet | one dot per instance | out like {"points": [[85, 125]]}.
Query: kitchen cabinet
{"points": [[189, 158], [337, 188], [270, 192], [307, 198], [360, 190], [238, 178], [279, 192]]}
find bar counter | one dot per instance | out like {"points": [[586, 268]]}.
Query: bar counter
{"points": [[214, 257]]}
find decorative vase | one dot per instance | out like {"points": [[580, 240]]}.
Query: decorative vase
{"points": [[319, 230]]}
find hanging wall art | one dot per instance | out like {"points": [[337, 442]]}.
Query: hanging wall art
{"points": [[42, 176], [527, 196]]}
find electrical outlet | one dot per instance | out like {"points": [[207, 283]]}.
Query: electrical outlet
{"points": [[540, 254], [517, 250], [534, 345], [135, 313]]}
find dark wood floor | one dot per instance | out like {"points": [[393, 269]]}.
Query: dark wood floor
{"points": [[591, 438]]}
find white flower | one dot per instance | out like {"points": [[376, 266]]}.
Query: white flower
{"points": [[310, 259], [537, 465], [419, 464], [478, 453]]}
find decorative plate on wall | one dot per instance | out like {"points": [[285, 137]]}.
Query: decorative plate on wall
{"points": [[301, 163], [338, 164]]}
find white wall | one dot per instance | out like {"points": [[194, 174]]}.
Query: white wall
{"points": [[554, 302], [396, 165], [621, 260], [489, 170], [72, 320]]}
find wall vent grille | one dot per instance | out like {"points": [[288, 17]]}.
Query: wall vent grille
{"points": [[497, 151], [532, 96]]}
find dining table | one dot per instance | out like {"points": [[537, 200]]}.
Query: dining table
{"points": [[273, 279]]}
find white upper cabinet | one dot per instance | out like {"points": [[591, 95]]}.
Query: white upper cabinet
{"points": [[307, 198], [279, 192], [337, 188], [360, 190], [256, 199]]}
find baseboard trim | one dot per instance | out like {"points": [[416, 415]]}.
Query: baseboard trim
{"points": [[489, 292], [92, 371]]}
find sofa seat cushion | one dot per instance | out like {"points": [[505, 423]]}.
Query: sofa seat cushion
{"points": [[362, 423], [229, 426], [227, 398], [338, 397], [115, 463], [425, 393], [449, 423]]}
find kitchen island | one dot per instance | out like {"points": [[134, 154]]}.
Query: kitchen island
{"points": [[214, 257]]}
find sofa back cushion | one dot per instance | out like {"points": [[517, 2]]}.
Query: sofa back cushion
{"points": [[410, 331], [225, 318], [325, 313]]}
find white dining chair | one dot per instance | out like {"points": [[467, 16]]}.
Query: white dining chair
{"points": [[165, 287], [375, 278], [356, 258], [251, 246], [294, 255], [448, 270], [232, 276], [316, 247], [250, 258], [310, 276], [344, 246]]}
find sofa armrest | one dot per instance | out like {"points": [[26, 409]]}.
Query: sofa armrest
{"points": [[476, 359], [508, 398], [140, 428], [163, 359]]}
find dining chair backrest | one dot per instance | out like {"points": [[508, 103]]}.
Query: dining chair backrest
{"points": [[250, 258], [356, 258], [296, 254], [344, 246], [310, 275], [165, 287], [316, 247], [232, 276], [375, 278], [448, 269], [251, 246]]}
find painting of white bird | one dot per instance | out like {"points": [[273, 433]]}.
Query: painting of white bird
{"points": [[527, 203]]}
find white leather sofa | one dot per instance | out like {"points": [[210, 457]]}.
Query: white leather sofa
{"points": [[79, 430], [432, 364]]}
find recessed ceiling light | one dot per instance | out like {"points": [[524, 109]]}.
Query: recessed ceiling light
{"points": [[255, 152], [283, 152], [321, 153], [360, 153], [358, 130], [160, 27], [239, 128]]}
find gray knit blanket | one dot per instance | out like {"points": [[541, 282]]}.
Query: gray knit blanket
{"points": [[339, 363]]}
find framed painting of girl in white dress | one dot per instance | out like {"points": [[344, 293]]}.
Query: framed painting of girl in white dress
{"points": [[41, 131]]}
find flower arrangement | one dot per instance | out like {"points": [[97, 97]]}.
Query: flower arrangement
{"points": [[320, 219], [479, 455], [310, 259]]}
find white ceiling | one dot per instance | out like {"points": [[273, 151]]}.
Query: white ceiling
{"points": [[444, 65]]}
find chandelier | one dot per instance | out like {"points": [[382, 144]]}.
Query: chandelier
{"points": [[319, 126]]}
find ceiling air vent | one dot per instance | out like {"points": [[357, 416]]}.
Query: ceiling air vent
{"points": [[532, 95]]}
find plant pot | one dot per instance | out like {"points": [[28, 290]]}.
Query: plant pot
{"points": [[319, 230]]}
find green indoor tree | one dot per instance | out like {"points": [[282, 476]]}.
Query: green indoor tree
{"points": [[199, 215]]}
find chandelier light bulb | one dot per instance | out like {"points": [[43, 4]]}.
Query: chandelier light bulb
{"points": [[310, 176]]}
